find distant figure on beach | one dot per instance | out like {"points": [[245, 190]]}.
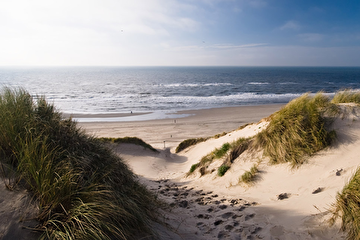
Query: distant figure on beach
{"points": [[131, 112]]}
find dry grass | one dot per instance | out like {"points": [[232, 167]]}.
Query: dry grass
{"points": [[84, 191], [347, 207], [249, 176], [237, 148], [347, 96], [189, 142], [131, 140], [298, 130]]}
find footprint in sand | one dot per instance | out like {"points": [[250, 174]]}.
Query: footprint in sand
{"points": [[183, 204], [222, 235], [319, 189], [227, 215], [247, 217], [223, 207], [283, 196], [229, 227], [218, 222]]}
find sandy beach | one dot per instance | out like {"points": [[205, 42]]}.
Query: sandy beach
{"points": [[284, 203], [199, 123]]}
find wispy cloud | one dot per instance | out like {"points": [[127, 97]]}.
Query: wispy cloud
{"points": [[292, 25], [311, 37], [229, 46], [142, 17], [215, 46]]}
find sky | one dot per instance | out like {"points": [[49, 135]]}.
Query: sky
{"points": [[180, 33]]}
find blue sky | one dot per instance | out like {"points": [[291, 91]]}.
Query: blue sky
{"points": [[179, 33]]}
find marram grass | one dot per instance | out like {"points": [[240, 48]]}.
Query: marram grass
{"points": [[207, 159], [222, 170], [347, 207], [84, 191], [131, 140], [298, 130], [347, 96], [249, 176], [189, 142], [193, 141], [230, 150]]}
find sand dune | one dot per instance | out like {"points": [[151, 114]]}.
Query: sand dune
{"points": [[283, 203], [213, 207]]}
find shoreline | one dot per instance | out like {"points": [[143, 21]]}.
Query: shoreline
{"points": [[156, 115], [172, 131]]}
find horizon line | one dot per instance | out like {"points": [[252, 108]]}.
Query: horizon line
{"points": [[189, 66]]}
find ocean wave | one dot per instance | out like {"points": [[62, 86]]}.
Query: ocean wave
{"points": [[258, 83], [179, 85], [228, 99], [158, 102], [288, 83]]}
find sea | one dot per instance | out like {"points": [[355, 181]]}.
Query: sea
{"points": [[100, 90]]}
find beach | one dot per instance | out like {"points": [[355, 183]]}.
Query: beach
{"points": [[199, 123], [284, 203]]}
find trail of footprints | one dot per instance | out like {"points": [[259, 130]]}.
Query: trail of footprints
{"points": [[228, 218]]}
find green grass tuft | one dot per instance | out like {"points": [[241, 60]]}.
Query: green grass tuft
{"points": [[193, 167], [235, 149], [347, 96], [207, 159], [222, 170], [298, 130], [131, 140], [216, 153], [219, 153], [84, 190], [249, 176]]}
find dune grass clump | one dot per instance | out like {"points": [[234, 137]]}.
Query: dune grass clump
{"points": [[347, 207], [237, 148], [249, 176], [84, 190], [189, 142], [222, 170], [193, 167], [131, 140], [215, 154], [220, 135], [207, 159], [234, 149], [298, 130], [347, 96], [219, 153]]}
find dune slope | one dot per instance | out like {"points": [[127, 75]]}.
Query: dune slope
{"points": [[283, 203]]}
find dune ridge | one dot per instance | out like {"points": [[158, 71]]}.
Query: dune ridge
{"points": [[283, 203]]}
